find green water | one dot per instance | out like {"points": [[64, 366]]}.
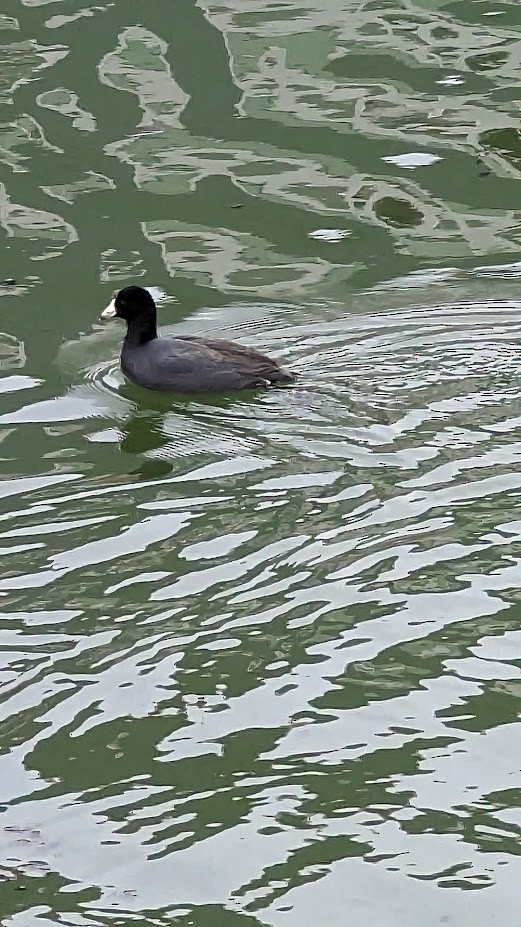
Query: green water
{"points": [[260, 656]]}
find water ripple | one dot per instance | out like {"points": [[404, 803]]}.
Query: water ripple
{"points": [[261, 651]]}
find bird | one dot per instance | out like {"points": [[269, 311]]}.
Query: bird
{"points": [[185, 363]]}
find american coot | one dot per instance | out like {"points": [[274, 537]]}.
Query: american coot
{"points": [[185, 363]]}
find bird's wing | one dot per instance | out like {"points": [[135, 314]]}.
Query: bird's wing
{"points": [[243, 359]]}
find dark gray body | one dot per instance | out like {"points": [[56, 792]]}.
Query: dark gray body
{"points": [[188, 364]]}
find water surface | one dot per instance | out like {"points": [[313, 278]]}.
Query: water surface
{"points": [[260, 654]]}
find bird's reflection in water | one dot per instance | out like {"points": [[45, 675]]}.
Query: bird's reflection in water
{"points": [[162, 427], [142, 433]]}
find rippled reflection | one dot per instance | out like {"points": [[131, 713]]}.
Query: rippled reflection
{"points": [[312, 593], [260, 652]]}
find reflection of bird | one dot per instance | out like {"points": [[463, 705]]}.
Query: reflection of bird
{"points": [[142, 433], [186, 363]]}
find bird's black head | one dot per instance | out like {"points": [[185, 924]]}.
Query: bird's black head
{"points": [[132, 302], [137, 308]]}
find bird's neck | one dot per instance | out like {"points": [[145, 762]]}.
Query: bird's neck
{"points": [[141, 330]]}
